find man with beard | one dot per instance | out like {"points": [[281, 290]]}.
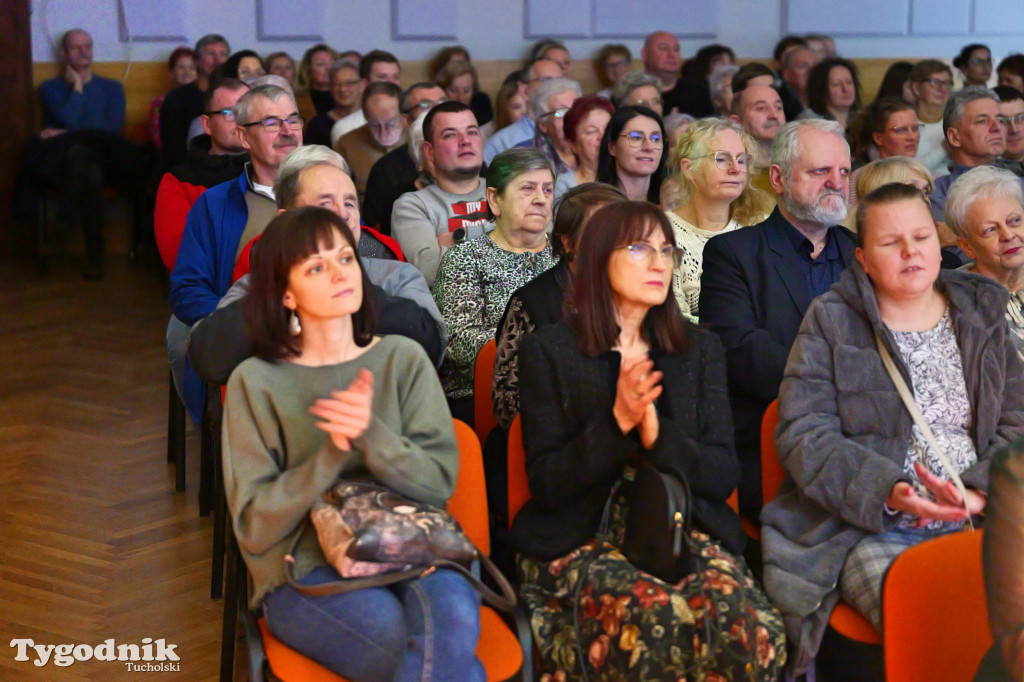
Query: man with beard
{"points": [[758, 108], [758, 281], [435, 218], [384, 130]]}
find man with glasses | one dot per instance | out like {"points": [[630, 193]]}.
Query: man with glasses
{"points": [[1011, 108], [429, 221], [523, 130], [549, 105], [758, 281], [385, 129], [377, 66], [185, 102]]}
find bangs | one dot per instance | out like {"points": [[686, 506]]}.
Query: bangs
{"points": [[307, 240], [639, 225]]}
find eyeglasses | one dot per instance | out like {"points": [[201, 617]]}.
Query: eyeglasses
{"points": [[644, 254], [423, 105], [725, 160], [1016, 119], [391, 124], [939, 84], [905, 130], [272, 124], [637, 139], [557, 113], [228, 114], [979, 61]]}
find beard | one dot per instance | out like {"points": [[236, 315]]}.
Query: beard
{"points": [[818, 212]]}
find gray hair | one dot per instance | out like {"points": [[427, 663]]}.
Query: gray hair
{"points": [[787, 140], [982, 183], [211, 39], [959, 100], [677, 120], [630, 82], [549, 88], [510, 164], [717, 78], [298, 160], [339, 64], [243, 107], [272, 79]]}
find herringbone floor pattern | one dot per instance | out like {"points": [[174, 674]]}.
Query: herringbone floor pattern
{"points": [[94, 542]]}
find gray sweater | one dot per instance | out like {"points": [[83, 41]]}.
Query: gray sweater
{"points": [[843, 436], [277, 463], [420, 217]]}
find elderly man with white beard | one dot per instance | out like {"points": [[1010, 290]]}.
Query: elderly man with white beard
{"points": [[758, 280]]}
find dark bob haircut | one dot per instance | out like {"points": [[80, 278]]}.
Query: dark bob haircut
{"points": [[608, 172], [613, 226], [289, 239]]}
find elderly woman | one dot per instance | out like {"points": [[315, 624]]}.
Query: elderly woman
{"points": [[985, 210], [720, 85], [862, 482], [632, 154], [623, 379], [323, 400], [549, 105], [833, 91], [714, 157], [638, 89], [583, 126], [932, 83], [975, 63], [476, 278]]}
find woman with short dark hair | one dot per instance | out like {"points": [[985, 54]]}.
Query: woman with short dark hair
{"points": [[975, 63]]}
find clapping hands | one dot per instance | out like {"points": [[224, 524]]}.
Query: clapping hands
{"points": [[635, 392], [347, 413]]}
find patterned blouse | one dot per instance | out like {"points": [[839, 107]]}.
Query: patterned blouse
{"points": [[686, 278], [1015, 319], [473, 285], [937, 375]]}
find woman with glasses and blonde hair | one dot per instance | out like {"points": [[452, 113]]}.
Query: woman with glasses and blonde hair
{"points": [[932, 83], [712, 160]]}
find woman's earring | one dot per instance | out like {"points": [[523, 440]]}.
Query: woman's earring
{"points": [[294, 327]]}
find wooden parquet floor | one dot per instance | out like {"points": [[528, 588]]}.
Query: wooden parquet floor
{"points": [[95, 544]]}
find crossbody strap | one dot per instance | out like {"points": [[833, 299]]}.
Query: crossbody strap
{"points": [[915, 413]]}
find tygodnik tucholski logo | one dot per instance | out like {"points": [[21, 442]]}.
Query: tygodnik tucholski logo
{"points": [[153, 656]]}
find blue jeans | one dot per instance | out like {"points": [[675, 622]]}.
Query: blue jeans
{"points": [[424, 629]]}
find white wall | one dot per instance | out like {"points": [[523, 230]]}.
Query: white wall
{"points": [[498, 29]]}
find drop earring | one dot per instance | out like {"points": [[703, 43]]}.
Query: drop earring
{"points": [[294, 326]]}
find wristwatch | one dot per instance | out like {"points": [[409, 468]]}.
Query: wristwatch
{"points": [[459, 235]]}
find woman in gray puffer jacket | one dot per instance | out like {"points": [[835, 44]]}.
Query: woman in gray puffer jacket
{"points": [[862, 483]]}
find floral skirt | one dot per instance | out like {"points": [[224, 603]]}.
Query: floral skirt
{"points": [[715, 624]]}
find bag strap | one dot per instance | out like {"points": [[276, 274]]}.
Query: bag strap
{"points": [[922, 423], [505, 601]]}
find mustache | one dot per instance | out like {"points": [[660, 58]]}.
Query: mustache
{"points": [[286, 139]]}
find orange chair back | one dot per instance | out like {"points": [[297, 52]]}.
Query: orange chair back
{"points": [[933, 609], [469, 501], [483, 376], [772, 472], [518, 484]]}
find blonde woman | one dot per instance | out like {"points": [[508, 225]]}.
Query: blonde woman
{"points": [[712, 160]]}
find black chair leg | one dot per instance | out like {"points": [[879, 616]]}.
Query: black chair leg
{"points": [[230, 623], [220, 534], [206, 475], [176, 434]]}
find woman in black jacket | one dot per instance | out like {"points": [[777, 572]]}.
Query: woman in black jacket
{"points": [[626, 378]]}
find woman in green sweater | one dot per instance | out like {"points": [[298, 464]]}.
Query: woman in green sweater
{"points": [[324, 399]]}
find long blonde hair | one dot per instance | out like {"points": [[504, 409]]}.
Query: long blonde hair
{"points": [[753, 204]]}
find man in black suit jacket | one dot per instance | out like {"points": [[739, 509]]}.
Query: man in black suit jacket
{"points": [[758, 281]]}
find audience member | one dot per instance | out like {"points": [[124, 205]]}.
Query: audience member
{"points": [[796, 66], [758, 108], [720, 84], [1011, 71], [985, 210], [707, 59], [522, 130], [637, 88], [713, 158], [280, 64], [932, 82], [784, 45], [821, 45], [1011, 109], [887, 127], [377, 66], [346, 92], [182, 67], [430, 221], [862, 484], [478, 99], [549, 105], [613, 61], [476, 277], [632, 154], [554, 50], [661, 59], [905, 169], [315, 175], [384, 130], [509, 106], [80, 148], [626, 373], [758, 281], [185, 102], [584, 126], [975, 135], [753, 73], [244, 65], [313, 81], [896, 83], [384, 421], [833, 91], [975, 63]]}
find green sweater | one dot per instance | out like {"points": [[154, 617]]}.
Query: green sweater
{"points": [[277, 463]]}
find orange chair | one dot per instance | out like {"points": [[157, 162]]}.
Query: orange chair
{"points": [[499, 648], [518, 484], [844, 619], [933, 608], [484, 420]]}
